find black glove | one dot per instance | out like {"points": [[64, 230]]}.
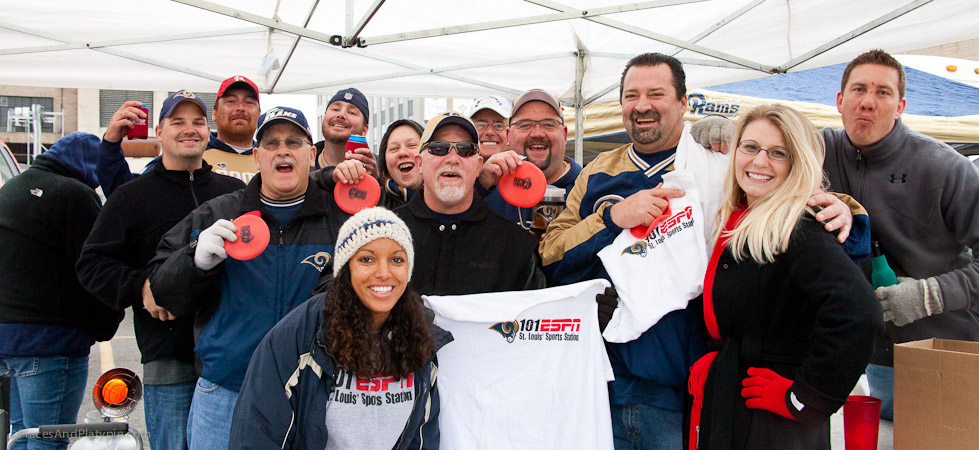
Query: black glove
{"points": [[607, 302]]}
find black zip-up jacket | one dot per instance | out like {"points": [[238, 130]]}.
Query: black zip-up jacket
{"points": [[45, 215], [482, 252], [124, 239]]}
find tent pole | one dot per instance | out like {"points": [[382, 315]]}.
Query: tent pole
{"points": [[579, 118]]}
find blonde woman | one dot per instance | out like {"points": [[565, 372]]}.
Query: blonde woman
{"points": [[791, 317]]}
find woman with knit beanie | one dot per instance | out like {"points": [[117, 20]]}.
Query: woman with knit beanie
{"points": [[353, 367]]}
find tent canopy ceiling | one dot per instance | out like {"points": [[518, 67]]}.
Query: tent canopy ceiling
{"points": [[448, 48]]}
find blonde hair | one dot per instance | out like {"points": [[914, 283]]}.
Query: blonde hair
{"points": [[767, 225]]}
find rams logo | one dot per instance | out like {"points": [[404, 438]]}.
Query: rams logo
{"points": [[506, 329], [639, 248], [610, 199], [318, 260], [221, 165], [185, 94]]}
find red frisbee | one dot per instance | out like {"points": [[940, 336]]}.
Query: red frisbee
{"points": [[354, 197], [253, 237], [640, 232], [524, 187]]}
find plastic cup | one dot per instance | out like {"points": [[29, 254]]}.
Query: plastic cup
{"points": [[861, 421]]}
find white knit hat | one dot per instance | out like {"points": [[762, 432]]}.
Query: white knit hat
{"points": [[368, 226]]}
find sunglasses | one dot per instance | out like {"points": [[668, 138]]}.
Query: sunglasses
{"points": [[441, 148]]}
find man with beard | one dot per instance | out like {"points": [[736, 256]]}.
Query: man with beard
{"points": [[237, 301], [461, 246], [537, 132], [113, 262], [346, 115], [229, 149], [619, 190]]}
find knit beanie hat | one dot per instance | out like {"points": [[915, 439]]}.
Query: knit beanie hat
{"points": [[367, 226]]}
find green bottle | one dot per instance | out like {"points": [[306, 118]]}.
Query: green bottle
{"points": [[882, 274]]}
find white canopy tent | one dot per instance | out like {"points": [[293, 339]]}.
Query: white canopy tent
{"points": [[448, 48]]}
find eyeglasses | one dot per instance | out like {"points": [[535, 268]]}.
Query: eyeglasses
{"points": [[527, 125], [441, 148], [291, 143], [482, 125], [774, 154]]}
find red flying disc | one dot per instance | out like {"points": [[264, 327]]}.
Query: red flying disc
{"points": [[524, 187], [253, 237], [640, 232], [354, 197]]}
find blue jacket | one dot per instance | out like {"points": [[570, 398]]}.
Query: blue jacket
{"points": [[237, 302], [287, 389]]}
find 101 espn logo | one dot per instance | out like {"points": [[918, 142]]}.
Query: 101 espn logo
{"points": [[539, 330]]}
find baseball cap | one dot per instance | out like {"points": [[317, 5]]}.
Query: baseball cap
{"points": [[537, 95], [177, 98], [354, 97], [238, 81], [282, 114], [448, 118], [494, 103]]}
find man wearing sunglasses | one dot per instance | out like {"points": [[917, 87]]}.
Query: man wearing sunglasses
{"points": [[461, 246], [237, 301]]}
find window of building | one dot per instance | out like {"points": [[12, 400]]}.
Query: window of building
{"points": [[11, 106], [111, 100]]}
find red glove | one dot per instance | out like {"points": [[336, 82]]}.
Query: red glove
{"points": [[765, 389]]}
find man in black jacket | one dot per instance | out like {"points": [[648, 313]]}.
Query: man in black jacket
{"points": [[48, 322], [125, 236], [462, 246]]}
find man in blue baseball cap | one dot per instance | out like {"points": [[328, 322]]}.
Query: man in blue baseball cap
{"points": [[347, 114], [237, 301]]}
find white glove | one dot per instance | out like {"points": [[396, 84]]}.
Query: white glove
{"points": [[712, 130], [210, 244], [910, 300]]}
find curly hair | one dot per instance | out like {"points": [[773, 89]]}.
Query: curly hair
{"points": [[399, 348]]}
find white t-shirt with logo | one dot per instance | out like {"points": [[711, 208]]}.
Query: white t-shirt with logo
{"points": [[368, 413], [526, 370]]}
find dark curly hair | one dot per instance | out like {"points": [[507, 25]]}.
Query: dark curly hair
{"points": [[399, 348]]}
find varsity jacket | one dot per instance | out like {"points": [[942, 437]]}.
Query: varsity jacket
{"points": [[47, 213], [113, 170], [237, 302], [525, 216], [124, 239], [653, 368], [482, 252], [810, 317], [290, 380], [921, 197]]}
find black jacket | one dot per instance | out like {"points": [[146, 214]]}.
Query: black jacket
{"points": [[124, 239], [482, 252], [45, 215]]}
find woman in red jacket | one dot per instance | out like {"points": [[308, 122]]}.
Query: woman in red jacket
{"points": [[791, 317]]}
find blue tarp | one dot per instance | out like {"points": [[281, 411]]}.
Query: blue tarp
{"points": [[927, 94]]}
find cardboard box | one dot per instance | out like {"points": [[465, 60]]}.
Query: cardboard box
{"points": [[936, 395]]}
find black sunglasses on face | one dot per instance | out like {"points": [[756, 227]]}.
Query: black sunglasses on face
{"points": [[441, 148]]}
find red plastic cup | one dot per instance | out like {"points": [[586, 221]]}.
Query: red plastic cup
{"points": [[141, 128], [861, 421]]}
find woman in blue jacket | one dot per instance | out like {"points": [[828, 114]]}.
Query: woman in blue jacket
{"points": [[353, 367]]}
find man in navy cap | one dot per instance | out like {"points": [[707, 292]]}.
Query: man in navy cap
{"points": [[124, 239], [237, 301], [346, 115]]}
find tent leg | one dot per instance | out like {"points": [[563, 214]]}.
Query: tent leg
{"points": [[579, 117]]}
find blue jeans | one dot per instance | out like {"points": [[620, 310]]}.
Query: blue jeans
{"points": [[209, 424], [44, 390], [646, 427], [881, 380], [166, 408]]}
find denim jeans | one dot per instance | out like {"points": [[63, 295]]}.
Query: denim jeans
{"points": [[209, 424], [646, 427], [166, 408], [881, 380], [44, 390]]}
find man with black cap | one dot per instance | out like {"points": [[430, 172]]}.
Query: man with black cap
{"points": [[346, 115], [237, 301], [47, 320], [462, 247], [229, 148], [124, 239]]}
